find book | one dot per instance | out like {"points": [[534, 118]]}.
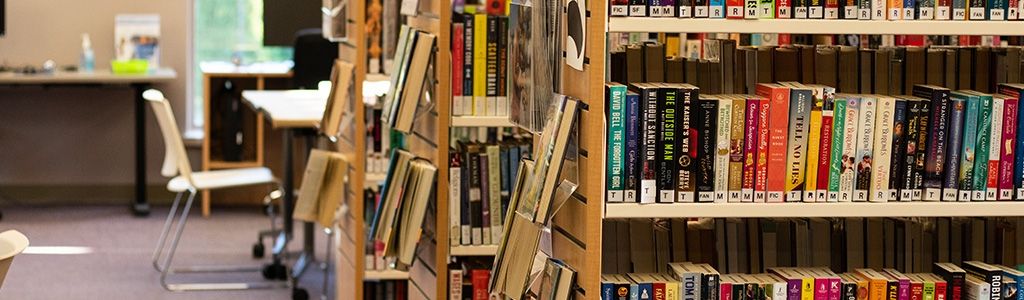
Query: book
{"points": [[899, 163], [557, 280], [737, 138], [686, 183], [880, 162], [486, 206], [990, 274], [618, 8], [633, 154], [826, 144], [384, 220], [837, 158], [616, 142], [734, 9], [706, 130], [455, 197], [800, 105], [865, 143], [761, 172], [985, 152], [494, 176], [337, 99], [480, 24], [954, 277], [969, 142], [750, 147], [1015, 92], [1008, 149], [851, 137], [420, 187], [778, 96], [649, 132], [322, 187], [814, 149], [415, 79], [722, 149], [935, 150]]}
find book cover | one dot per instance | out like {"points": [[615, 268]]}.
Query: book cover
{"points": [[969, 143], [865, 143], [800, 105], [633, 159], [737, 128], [455, 197], [734, 9], [666, 153], [814, 145], [649, 132], [618, 8], [485, 194], [468, 62], [686, 137], [894, 9], [954, 151], [503, 104], [491, 85], [1007, 152], [778, 125], [761, 172], [783, 9], [494, 191], [995, 147], [926, 9], [899, 150], [851, 137], [723, 141], [752, 10], [937, 132], [480, 65], [750, 147], [943, 9], [991, 275], [909, 176], [766, 9], [615, 178], [716, 9], [825, 145], [922, 141], [707, 121], [458, 52], [982, 147], [878, 11], [880, 162], [837, 159]]}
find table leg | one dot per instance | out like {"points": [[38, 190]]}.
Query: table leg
{"points": [[288, 185], [140, 206], [308, 256]]}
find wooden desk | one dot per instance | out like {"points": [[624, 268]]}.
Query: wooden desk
{"points": [[138, 82], [297, 112]]}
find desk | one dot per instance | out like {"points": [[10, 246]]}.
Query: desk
{"points": [[295, 111], [138, 82]]}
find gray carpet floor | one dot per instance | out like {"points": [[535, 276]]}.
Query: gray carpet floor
{"points": [[122, 247]]}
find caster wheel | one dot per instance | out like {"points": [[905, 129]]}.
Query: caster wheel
{"points": [[275, 271], [258, 250], [300, 294]]}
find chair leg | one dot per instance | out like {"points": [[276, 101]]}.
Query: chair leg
{"points": [[163, 233]]}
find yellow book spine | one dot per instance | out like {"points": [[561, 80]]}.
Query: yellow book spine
{"points": [[813, 153], [807, 290], [479, 64]]}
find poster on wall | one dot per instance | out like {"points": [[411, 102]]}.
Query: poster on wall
{"points": [[137, 36]]}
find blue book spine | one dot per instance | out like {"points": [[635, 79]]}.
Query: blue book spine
{"points": [[909, 9], [997, 9], [607, 290], [616, 142], [716, 8], [632, 147], [950, 183], [634, 291], [969, 143], [646, 291], [505, 164]]}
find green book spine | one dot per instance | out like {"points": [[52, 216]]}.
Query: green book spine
{"points": [[969, 143], [616, 142], [982, 147], [835, 164]]}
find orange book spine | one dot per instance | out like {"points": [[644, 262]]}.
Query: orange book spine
{"points": [[778, 128]]}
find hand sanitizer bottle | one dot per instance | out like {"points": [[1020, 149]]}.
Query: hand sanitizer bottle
{"points": [[88, 60]]}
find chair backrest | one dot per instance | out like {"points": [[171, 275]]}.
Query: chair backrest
{"points": [[12, 243], [175, 158], [313, 56]]}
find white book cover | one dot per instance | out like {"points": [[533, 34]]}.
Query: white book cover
{"points": [[881, 166], [815, 12], [943, 12], [865, 144], [686, 197], [850, 12], [977, 13], [848, 176], [877, 9], [995, 148], [721, 180], [926, 13], [751, 9], [454, 198], [648, 191]]}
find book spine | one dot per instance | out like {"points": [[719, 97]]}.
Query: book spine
{"points": [[825, 154], [800, 9], [468, 62], [849, 10], [736, 147], [485, 199], [938, 132], [865, 143], [814, 152], [832, 9], [476, 203], [687, 148], [723, 141], [716, 9], [995, 137], [815, 9], [458, 52], [707, 120], [766, 9], [783, 9], [648, 186], [997, 10], [761, 173], [848, 177], [751, 9], [981, 149], [924, 117], [865, 9], [480, 65], [959, 8], [950, 186], [465, 201], [725, 290], [926, 10], [849, 291], [684, 8], [654, 8], [836, 159], [909, 9], [942, 290], [700, 8], [878, 11], [750, 148], [619, 8], [882, 150], [666, 157], [1006, 161], [909, 157], [734, 9], [798, 130], [778, 126], [1013, 10], [455, 193], [943, 9], [969, 145], [895, 9], [616, 143], [491, 87], [637, 8], [632, 164], [977, 9], [494, 190], [928, 290], [899, 150], [503, 106]]}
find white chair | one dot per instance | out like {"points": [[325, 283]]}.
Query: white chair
{"points": [[186, 181], [12, 243]]}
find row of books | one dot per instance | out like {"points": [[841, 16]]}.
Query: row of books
{"points": [[689, 281], [399, 216], [753, 245], [469, 283], [413, 59], [482, 176], [818, 9], [386, 290], [725, 68], [380, 139], [793, 142], [479, 77]]}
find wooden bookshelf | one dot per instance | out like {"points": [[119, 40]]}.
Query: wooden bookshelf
{"points": [[378, 275], [486, 250], [807, 210], [472, 121], [813, 26]]}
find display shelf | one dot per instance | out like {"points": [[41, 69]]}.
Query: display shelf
{"points": [[486, 250], [218, 164], [799, 209], [811, 26], [467, 121], [385, 275], [375, 178]]}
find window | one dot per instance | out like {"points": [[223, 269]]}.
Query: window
{"points": [[223, 30]]}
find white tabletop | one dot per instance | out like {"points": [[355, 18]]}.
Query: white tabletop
{"points": [[95, 77], [289, 108]]}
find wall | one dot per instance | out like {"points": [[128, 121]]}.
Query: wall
{"points": [[75, 136]]}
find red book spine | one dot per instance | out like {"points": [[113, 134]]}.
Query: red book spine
{"points": [[480, 280], [831, 9], [496, 7], [761, 182], [821, 288], [1007, 152], [458, 52], [916, 291], [750, 146], [725, 291], [734, 9], [783, 9], [778, 128], [940, 290], [659, 291], [825, 154]]}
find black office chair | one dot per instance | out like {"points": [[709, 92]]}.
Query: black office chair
{"points": [[314, 57]]}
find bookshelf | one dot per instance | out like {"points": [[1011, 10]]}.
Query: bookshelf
{"points": [[472, 121], [485, 250], [377, 275], [577, 228]]}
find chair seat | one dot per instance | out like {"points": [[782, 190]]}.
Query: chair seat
{"points": [[217, 179]]}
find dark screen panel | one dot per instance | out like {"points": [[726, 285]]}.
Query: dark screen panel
{"points": [[283, 18], [3, 19]]}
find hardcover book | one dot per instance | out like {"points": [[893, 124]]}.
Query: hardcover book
{"points": [[666, 146], [938, 131], [737, 137], [778, 125], [686, 150]]}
